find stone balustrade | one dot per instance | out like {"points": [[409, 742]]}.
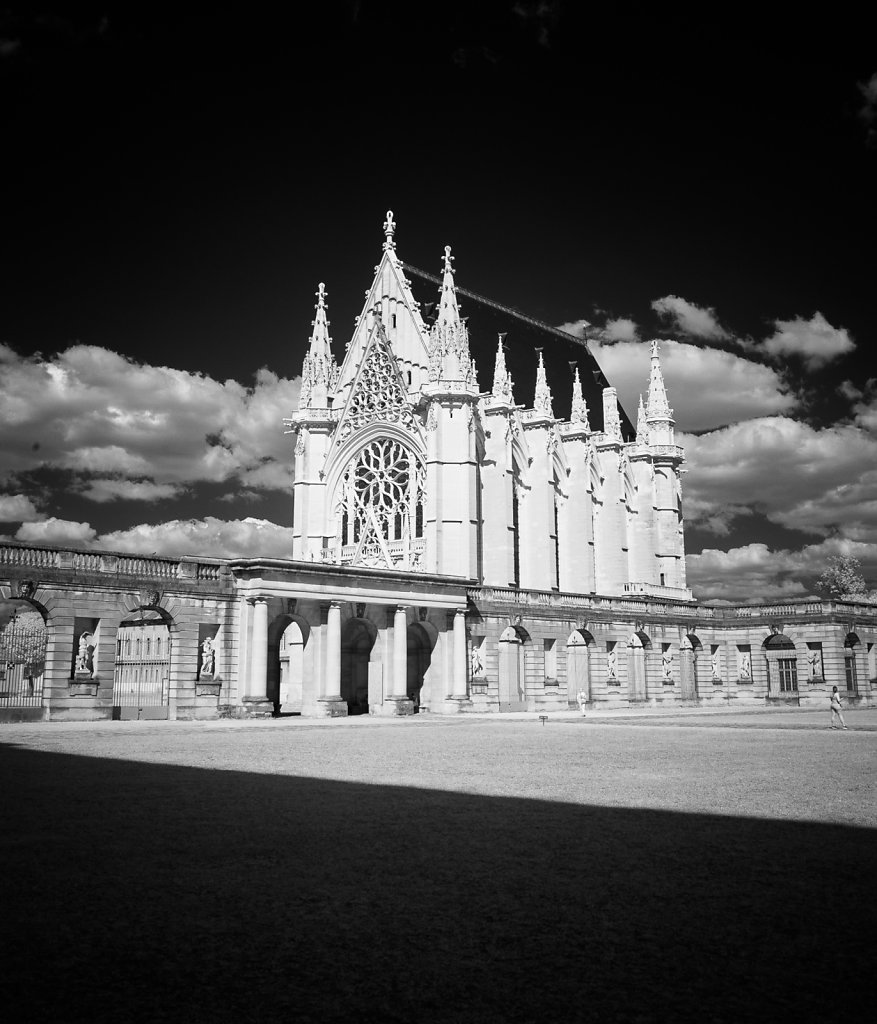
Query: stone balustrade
{"points": [[31, 556]]}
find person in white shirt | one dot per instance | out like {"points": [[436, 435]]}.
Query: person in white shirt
{"points": [[835, 709]]}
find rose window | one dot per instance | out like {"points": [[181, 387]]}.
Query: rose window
{"points": [[380, 506]]}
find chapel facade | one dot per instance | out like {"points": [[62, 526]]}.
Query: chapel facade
{"points": [[404, 461]]}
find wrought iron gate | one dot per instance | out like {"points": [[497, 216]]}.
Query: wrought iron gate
{"points": [[141, 682], [22, 660]]}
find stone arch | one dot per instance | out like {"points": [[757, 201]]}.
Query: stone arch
{"points": [[781, 665], [688, 653], [24, 639], [421, 640], [511, 678], [852, 647], [578, 667], [144, 656], [290, 661], [358, 637], [637, 646]]}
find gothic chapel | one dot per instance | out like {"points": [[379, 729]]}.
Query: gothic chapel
{"points": [[403, 461], [453, 551]]}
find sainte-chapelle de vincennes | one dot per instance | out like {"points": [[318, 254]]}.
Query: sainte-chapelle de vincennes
{"points": [[454, 550]]}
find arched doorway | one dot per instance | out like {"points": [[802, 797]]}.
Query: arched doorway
{"points": [[512, 696], [23, 639], [420, 645], [289, 653], [688, 651], [141, 676], [781, 662], [578, 667], [637, 647], [357, 640], [851, 675]]}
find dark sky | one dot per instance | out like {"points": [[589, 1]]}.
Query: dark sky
{"points": [[176, 185]]}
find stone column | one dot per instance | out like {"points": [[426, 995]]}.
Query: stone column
{"points": [[400, 654], [332, 678], [459, 682], [257, 696]]}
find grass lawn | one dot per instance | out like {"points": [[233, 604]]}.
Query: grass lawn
{"points": [[688, 868]]}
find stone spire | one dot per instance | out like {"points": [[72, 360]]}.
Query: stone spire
{"points": [[659, 415], [320, 371], [611, 419], [502, 381], [542, 397], [579, 413], [449, 358], [642, 426]]}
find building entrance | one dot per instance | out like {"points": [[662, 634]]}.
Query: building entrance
{"points": [[141, 680], [357, 640]]}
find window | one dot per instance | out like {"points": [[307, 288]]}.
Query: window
{"points": [[788, 669], [663, 580], [850, 670], [516, 531], [550, 647], [393, 321]]}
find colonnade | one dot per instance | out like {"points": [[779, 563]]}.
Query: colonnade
{"points": [[328, 687]]}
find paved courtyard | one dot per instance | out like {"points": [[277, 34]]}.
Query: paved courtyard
{"points": [[679, 866]]}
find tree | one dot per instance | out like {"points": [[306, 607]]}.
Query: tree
{"points": [[842, 577]]}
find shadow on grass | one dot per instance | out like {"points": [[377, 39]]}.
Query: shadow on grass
{"points": [[139, 892]]}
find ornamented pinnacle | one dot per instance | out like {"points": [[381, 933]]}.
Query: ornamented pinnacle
{"points": [[579, 412], [502, 382], [542, 397], [449, 357], [642, 426], [658, 407], [320, 371], [389, 231], [611, 419]]}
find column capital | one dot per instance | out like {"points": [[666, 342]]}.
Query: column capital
{"points": [[257, 599]]}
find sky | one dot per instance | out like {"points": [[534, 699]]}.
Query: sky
{"points": [[177, 185]]}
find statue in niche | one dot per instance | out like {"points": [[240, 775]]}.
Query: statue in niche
{"points": [[745, 665], [477, 664], [815, 661], [612, 664], [83, 656], [714, 660], [667, 663], [208, 658], [582, 699]]}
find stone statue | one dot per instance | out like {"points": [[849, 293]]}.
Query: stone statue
{"points": [[745, 665], [208, 657], [582, 699], [612, 664], [667, 663], [714, 659], [82, 655], [815, 666], [477, 665]]}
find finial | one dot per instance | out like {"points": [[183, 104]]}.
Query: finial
{"points": [[448, 269], [655, 349], [389, 231]]}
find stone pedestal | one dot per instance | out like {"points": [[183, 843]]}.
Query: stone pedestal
{"points": [[331, 707], [258, 707], [394, 707]]}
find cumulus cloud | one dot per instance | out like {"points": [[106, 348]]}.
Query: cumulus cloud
{"points": [[102, 490], [56, 531], [577, 328], [754, 573], [104, 416], [236, 538], [689, 318], [820, 481], [620, 329], [707, 387], [814, 341], [18, 508]]}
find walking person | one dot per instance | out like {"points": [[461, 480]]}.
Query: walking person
{"points": [[835, 709]]}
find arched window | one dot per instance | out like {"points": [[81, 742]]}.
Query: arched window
{"points": [[379, 506]]}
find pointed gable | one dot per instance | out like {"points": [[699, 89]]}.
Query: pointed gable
{"points": [[377, 391], [390, 298]]}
